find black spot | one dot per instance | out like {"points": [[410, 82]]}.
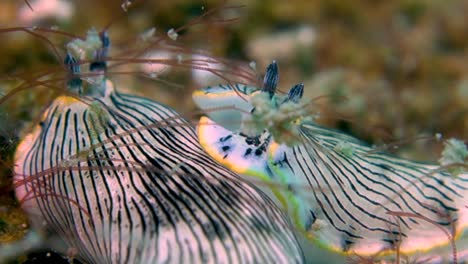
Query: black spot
{"points": [[225, 148], [223, 139], [258, 152], [261, 149], [41, 124], [248, 152], [252, 141]]}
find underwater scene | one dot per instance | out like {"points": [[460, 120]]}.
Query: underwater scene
{"points": [[237, 131]]}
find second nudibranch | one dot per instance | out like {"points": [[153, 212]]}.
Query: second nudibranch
{"points": [[339, 192], [122, 179]]}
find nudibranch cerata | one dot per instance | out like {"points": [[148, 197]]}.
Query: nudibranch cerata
{"points": [[340, 192], [123, 179]]}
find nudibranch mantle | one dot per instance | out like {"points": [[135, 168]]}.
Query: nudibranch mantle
{"points": [[121, 178], [338, 190]]}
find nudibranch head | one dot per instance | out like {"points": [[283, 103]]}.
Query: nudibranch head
{"points": [[337, 190], [253, 111]]}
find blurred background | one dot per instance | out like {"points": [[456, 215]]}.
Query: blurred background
{"points": [[384, 71]]}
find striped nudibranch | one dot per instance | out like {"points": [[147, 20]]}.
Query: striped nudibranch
{"points": [[340, 192], [123, 179]]}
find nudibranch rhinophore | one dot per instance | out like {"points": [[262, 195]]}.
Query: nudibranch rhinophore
{"points": [[122, 179], [339, 192]]}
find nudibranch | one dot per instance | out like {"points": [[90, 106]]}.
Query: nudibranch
{"points": [[339, 191], [122, 179]]}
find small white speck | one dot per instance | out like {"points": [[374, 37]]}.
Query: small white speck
{"points": [[125, 5], [438, 136], [172, 34], [253, 65], [148, 34]]}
